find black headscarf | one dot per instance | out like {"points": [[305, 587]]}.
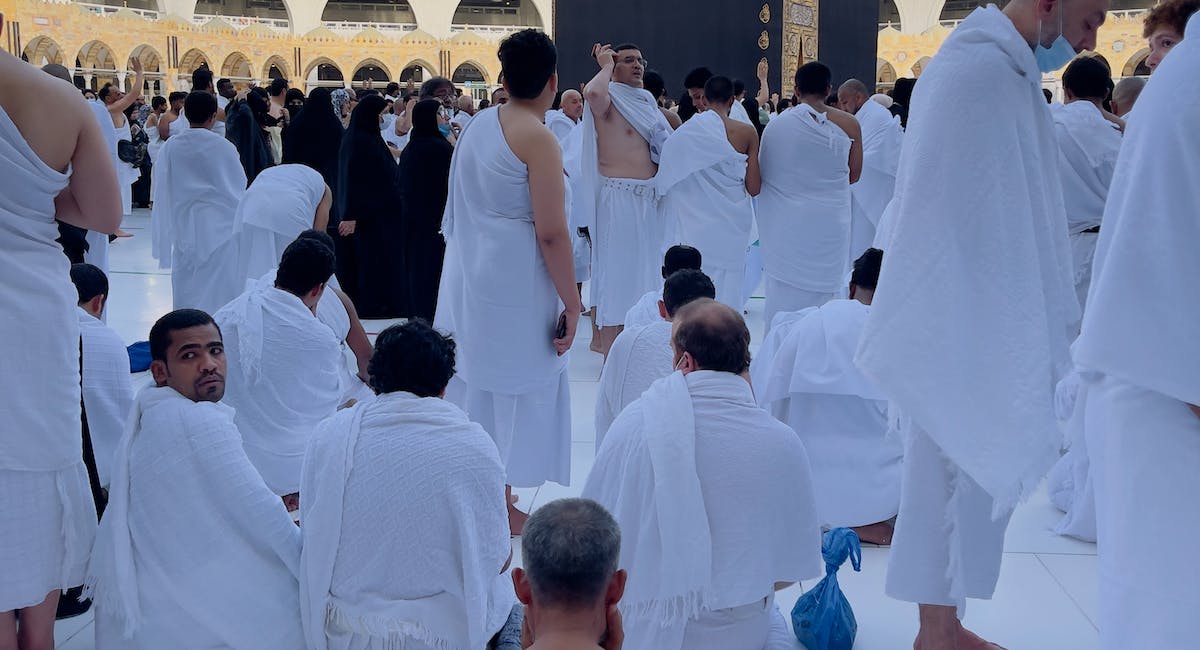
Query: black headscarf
{"points": [[425, 170], [243, 127], [368, 179], [314, 137]]}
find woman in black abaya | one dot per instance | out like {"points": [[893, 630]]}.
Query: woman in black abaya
{"points": [[369, 204], [424, 180]]}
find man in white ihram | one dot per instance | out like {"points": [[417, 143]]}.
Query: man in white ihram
{"points": [[282, 202], [969, 329], [810, 156], [707, 176], [696, 473], [881, 138], [198, 182], [1143, 400], [804, 374], [285, 364]]}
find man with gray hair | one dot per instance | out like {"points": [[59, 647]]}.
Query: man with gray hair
{"points": [[570, 585], [1125, 95]]}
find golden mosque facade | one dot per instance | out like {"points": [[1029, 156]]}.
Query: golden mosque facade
{"points": [[337, 43]]}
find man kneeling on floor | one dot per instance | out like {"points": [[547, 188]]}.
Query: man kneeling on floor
{"points": [[194, 550]]}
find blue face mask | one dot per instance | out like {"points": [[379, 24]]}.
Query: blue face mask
{"points": [[1060, 51], [445, 129]]}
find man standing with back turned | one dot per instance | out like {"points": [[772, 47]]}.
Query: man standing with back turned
{"points": [[970, 323]]}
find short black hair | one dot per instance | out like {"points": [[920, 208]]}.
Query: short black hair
{"points": [[1087, 78], [654, 84], [200, 106], [180, 319], [685, 286], [718, 90], [176, 96], [105, 90], [306, 264], [866, 269], [277, 86], [738, 87], [626, 46], [1048, 95], [392, 88], [412, 357], [202, 79], [293, 95], [224, 80], [432, 85], [89, 281], [678, 257], [319, 236], [814, 78], [528, 59], [697, 78], [159, 100], [717, 339]]}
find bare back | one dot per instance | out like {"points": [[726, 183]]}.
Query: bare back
{"points": [[622, 152], [744, 139]]}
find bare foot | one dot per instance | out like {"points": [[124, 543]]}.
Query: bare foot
{"points": [[121, 234], [966, 640], [880, 533]]}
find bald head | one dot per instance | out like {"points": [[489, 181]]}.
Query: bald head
{"points": [[852, 95], [708, 335], [466, 104], [56, 70], [1125, 95], [572, 105]]}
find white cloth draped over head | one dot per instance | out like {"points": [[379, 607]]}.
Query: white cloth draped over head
{"points": [[969, 326], [197, 184], [639, 108], [107, 389], [283, 378], [504, 335], [223, 570], [673, 472], [1138, 328], [440, 483], [804, 208], [1088, 146], [639, 357], [280, 204], [703, 179], [882, 137]]}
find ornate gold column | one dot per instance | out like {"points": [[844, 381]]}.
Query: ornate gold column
{"points": [[799, 38]]}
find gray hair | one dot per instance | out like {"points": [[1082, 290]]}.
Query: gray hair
{"points": [[570, 549]]}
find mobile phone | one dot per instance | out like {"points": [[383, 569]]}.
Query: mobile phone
{"points": [[560, 331]]}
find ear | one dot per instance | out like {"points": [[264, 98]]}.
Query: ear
{"points": [[522, 587], [158, 369], [616, 588], [662, 310], [554, 82]]}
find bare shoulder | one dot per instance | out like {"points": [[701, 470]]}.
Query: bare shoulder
{"points": [[741, 135], [526, 136], [672, 118], [846, 121]]}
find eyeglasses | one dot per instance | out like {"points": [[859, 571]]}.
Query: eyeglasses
{"points": [[630, 60]]}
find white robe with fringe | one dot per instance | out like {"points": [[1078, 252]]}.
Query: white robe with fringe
{"points": [[696, 473], [283, 378], [639, 357], [280, 204], [368, 577], [194, 550], [107, 389]]}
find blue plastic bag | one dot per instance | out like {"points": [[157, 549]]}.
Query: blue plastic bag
{"points": [[139, 356], [822, 618]]}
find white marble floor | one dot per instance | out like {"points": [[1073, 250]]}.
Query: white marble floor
{"points": [[1046, 599]]}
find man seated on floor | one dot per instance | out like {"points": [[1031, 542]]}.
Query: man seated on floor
{"points": [[284, 372], [570, 584], [194, 551], [107, 386], [406, 538], [805, 376], [642, 355], [645, 310], [713, 495]]}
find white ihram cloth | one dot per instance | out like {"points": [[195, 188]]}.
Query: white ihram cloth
{"points": [[280, 204], [1139, 332], [968, 331], [283, 378], [1088, 146], [127, 174], [198, 183], [737, 112], [639, 357], [644, 311], [97, 251], [804, 208], [696, 473], [107, 389], [571, 142], [622, 215], [809, 382], [882, 137], [194, 550], [560, 125], [702, 180], [369, 578], [49, 517], [509, 378], [1069, 484]]}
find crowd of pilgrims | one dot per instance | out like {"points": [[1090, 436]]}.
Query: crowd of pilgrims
{"points": [[284, 482]]}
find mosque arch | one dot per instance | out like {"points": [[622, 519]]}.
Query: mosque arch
{"points": [[43, 50], [920, 65], [276, 67], [237, 67], [192, 60], [417, 71], [152, 63], [1136, 66], [323, 71], [96, 55], [372, 69], [470, 72], [885, 73]]}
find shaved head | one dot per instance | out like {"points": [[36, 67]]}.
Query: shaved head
{"points": [[714, 335], [572, 105], [852, 95], [56, 70], [1126, 93]]}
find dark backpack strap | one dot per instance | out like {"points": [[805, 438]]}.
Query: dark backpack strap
{"points": [[89, 454]]}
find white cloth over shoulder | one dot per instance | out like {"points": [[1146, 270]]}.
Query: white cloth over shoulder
{"points": [[644, 311], [107, 389], [639, 357], [283, 378], [882, 137], [674, 471], [1088, 146], [280, 204], [373, 471], [703, 180], [738, 113], [560, 125], [969, 326], [223, 570], [804, 209], [198, 182]]}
